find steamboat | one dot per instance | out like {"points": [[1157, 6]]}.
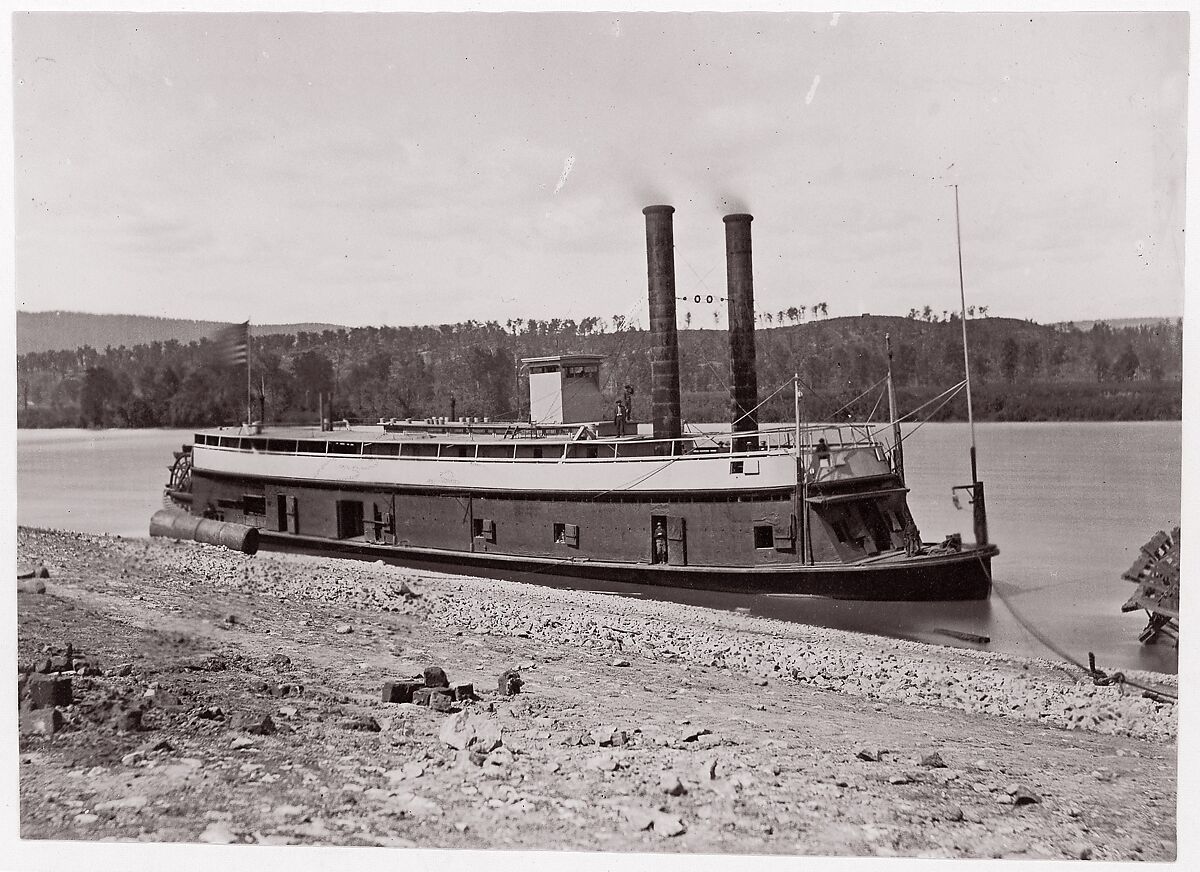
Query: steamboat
{"points": [[803, 509]]}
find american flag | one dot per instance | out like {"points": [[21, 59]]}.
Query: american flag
{"points": [[233, 344]]}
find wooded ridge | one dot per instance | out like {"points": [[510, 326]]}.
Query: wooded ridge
{"points": [[1021, 371]]}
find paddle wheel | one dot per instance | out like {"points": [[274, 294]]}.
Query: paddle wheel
{"points": [[178, 492], [1156, 573]]}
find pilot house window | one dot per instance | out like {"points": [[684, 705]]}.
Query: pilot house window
{"points": [[764, 536]]}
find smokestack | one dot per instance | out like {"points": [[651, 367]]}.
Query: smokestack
{"points": [[743, 378], [664, 347]]}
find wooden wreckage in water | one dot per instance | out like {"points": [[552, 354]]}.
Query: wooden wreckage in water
{"points": [[1156, 573], [801, 509]]}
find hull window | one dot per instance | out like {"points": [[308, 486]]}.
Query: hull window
{"points": [[484, 528], [254, 505], [566, 534], [764, 536]]}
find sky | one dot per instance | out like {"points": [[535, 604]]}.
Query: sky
{"points": [[415, 168]]}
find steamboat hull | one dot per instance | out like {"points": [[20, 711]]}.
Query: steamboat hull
{"points": [[964, 575]]}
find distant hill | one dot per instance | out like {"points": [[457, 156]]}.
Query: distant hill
{"points": [[62, 331], [1115, 323]]}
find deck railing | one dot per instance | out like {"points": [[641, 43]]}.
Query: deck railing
{"points": [[697, 444]]}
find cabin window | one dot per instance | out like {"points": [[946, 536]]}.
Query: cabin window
{"points": [[311, 446], [382, 449], [736, 467], [345, 447], [254, 505], [418, 449], [227, 441], [483, 528], [566, 534], [349, 519], [764, 536], [282, 446], [537, 452]]}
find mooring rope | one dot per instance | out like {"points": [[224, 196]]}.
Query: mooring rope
{"points": [[1099, 677]]}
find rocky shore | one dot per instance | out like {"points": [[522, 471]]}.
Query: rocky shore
{"points": [[259, 686]]}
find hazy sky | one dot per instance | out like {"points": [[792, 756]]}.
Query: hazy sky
{"points": [[406, 168]]}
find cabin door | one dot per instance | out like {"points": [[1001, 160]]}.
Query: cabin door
{"points": [[668, 540], [379, 525], [286, 514]]}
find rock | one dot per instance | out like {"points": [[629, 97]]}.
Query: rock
{"points": [[417, 806], [406, 772], [133, 758], [463, 692], [1080, 850], [218, 833], [608, 735], [604, 762], [954, 813], [706, 769], [441, 702], [900, 779], [868, 754], [639, 818], [671, 785], [933, 761], [467, 731], [667, 825], [47, 691], [500, 758], [33, 585], [360, 724], [279, 661], [343, 629], [134, 802], [400, 691], [240, 742], [693, 735], [128, 720], [620, 661], [42, 571], [122, 670], [254, 723], [86, 820], [42, 722], [1024, 796], [509, 683], [435, 676]]}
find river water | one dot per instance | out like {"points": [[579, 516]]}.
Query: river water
{"points": [[1069, 505]]}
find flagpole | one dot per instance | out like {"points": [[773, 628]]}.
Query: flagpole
{"points": [[249, 390]]}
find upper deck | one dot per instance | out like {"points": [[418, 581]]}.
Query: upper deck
{"points": [[466, 456]]}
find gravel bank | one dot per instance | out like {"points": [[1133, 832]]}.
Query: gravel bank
{"points": [[872, 667], [641, 725]]}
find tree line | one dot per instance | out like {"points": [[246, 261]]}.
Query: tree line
{"points": [[1020, 371]]}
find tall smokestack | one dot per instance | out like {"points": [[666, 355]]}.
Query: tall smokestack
{"points": [[743, 378], [664, 347]]}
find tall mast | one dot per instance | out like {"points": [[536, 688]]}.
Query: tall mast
{"points": [[801, 498], [897, 440], [962, 294]]}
